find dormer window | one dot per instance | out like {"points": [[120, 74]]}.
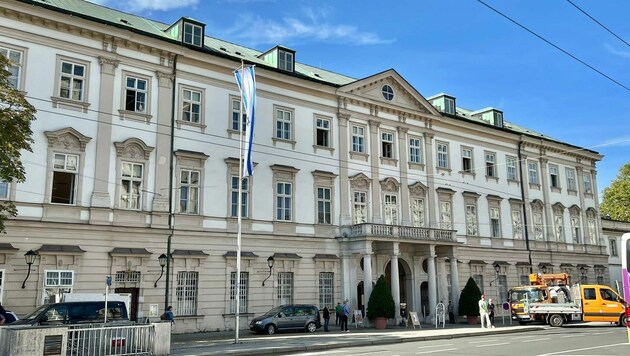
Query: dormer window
{"points": [[285, 60], [498, 119], [193, 34], [449, 106]]}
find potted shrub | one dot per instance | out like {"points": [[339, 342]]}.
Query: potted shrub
{"points": [[381, 304], [469, 301]]}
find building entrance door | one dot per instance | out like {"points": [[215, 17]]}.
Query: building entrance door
{"points": [[134, 300]]}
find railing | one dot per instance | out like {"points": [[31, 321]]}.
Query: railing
{"points": [[403, 232], [106, 341]]}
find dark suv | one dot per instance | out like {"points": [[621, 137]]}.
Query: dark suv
{"points": [[75, 313], [287, 317]]}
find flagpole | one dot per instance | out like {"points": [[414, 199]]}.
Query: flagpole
{"points": [[239, 214]]}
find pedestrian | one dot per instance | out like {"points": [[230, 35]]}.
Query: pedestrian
{"points": [[491, 312], [345, 313], [483, 312], [451, 312], [168, 315], [3, 314], [326, 318], [338, 312]]}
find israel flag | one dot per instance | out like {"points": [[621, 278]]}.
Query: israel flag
{"points": [[246, 80]]}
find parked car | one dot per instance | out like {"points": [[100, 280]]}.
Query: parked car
{"points": [[287, 317], [75, 313]]}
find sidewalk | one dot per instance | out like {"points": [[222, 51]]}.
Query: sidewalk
{"points": [[222, 343]]}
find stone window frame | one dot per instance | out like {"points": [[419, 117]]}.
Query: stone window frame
{"points": [[363, 153], [231, 131], [587, 183], [490, 166], [390, 187], [330, 148], [445, 199], [577, 233], [190, 161], [68, 103], [471, 159], [65, 141], [420, 148], [592, 226], [516, 206], [494, 202], [284, 174], [202, 107], [145, 116], [291, 140], [471, 200], [509, 159], [248, 265], [538, 207], [132, 150], [533, 174], [555, 187], [21, 66], [418, 191], [322, 179], [558, 222], [387, 137], [571, 187], [360, 183], [233, 171], [446, 154]]}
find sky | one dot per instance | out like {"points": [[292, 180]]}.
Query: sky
{"points": [[546, 64]]}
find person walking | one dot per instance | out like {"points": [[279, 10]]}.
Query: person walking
{"points": [[345, 313], [326, 318], [338, 313], [483, 312], [491, 307], [451, 312], [3, 313], [168, 315]]}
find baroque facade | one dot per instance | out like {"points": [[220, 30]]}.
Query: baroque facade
{"points": [[136, 154]]}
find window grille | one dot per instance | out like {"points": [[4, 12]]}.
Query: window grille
{"points": [[187, 284]]}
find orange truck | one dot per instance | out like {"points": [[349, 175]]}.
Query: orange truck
{"points": [[537, 292]]}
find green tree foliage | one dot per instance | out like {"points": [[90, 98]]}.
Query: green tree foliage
{"points": [[616, 201], [16, 115], [381, 303], [469, 299]]}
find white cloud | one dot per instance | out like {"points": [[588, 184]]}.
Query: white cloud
{"points": [[146, 5], [311, 26], [617, 52]]}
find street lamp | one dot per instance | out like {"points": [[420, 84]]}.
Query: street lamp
{"points": [[162, 260], [270, 261], [497, 270], [30, 258], [544, 269], [582, 273]]}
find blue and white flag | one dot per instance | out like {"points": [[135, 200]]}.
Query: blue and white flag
{"points": [[246, 80]]}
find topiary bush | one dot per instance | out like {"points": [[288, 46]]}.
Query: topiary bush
{"points": [[469, 299], [381, 303]]}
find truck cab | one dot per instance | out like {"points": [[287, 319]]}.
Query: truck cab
{"points": [[602, 303]]}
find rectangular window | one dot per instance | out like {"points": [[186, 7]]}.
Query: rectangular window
{"points": [[243, 293], [479, 280], [189, 191], [186, 293], [613, 247], [72, 81], [511, 168], [131, 185], [236, 112], [588, 188], [415, 150], [538, 226], [283, 124], [571, 179], [15, 65], [191, 106], [285, 61], [449, 106], [559, 221], [517, 224], [417, 212], [387, 144], [64, 179], [471, 219], [326, 289], [244, 197], [192, 34], [323, 133], [360, 207], [554, 177], [495, 222], [4, 190], [445, 215], [533, 172], [285, 288], [56, 284], [284, 198], [575, 230], [136, 91], [491, 162], [502, 286], [467, 160], [391, 209], [523, 280], [442, 155], [324, 202], [358, 139]]}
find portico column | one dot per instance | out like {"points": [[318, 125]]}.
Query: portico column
{"points": [[395, 285], [430, 172], [454, 285], [432, 281], [377, 208], [367, 278]]}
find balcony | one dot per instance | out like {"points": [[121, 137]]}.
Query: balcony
{"points": [[398, 232]]}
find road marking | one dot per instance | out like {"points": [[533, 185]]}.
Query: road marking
{"points": [[480, 341], [497, 344], [525, 337], [583, 349], [421, 347], [432, 351], [534, 340], [327, 352]]}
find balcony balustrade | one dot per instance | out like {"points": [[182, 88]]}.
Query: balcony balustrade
{"points": [[398, 232]]}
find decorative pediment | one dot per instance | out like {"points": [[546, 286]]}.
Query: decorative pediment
{"points": [[388, 89], [418, 189], [67, 139], [133, 148], [390, 184], [360, 182], [558, 207]]}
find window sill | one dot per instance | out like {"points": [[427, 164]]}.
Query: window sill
{"points": [[467, 173], [191, 124], [232, 315], [572, 192], [535, 186], [489, 178], [556, 189], [276, 140], [414, 165], [69, 104], [513, 181], [359, 156], [132, 115], [317, 148], [588, 195], [443, 170], [389, 161]]}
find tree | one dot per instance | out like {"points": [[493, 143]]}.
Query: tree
{"points": [[616, 201], [16, 115], [381, 303], [469, 299]]}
